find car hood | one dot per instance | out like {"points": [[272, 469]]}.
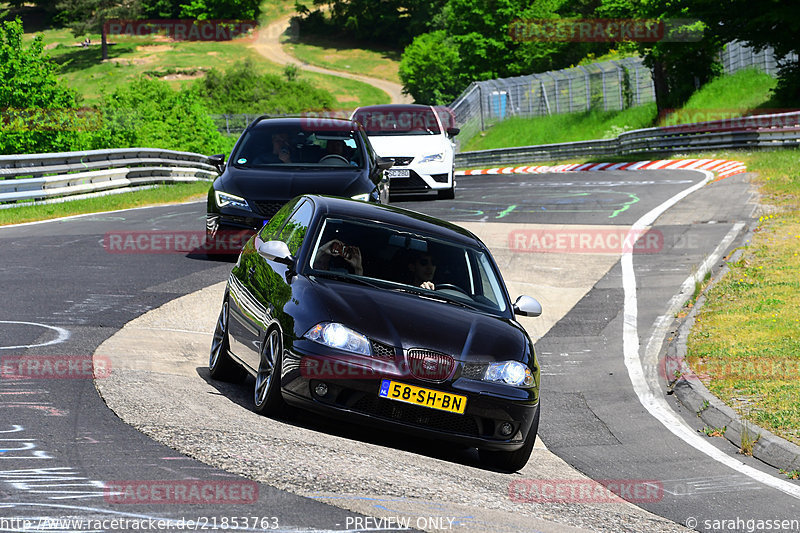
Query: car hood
{"points": [[411, 321], [407, 145], [288, 183]]}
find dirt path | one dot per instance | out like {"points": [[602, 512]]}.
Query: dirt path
{"points": [[267, 43]]}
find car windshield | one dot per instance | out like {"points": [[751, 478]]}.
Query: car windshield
{"points": [[394, 258], [398, 121], [305, 144]]}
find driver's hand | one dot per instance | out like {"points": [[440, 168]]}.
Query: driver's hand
{"points": [[428, 285]]}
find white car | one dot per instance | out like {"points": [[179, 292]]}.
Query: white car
{"points": [[419, 138]]}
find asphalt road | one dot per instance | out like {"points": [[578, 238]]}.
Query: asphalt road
{"points": [[59, 443]]}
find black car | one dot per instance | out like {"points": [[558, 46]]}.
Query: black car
{"points": [[383, 316], [276, 159]]}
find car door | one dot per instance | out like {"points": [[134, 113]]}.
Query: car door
{"points": [[377, 176], [248, 315], [268, 282]]}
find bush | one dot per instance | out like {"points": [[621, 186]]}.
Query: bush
{"points": [[241, 89], [39, 112], [148, 113]]}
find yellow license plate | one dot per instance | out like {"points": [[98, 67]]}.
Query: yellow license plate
{"points": [[434, 399]]}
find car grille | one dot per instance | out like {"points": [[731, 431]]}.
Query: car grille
{"points": [[400, 161], [418, 416], [430, 366], [411, 184], [266, 209], [382, 350]]}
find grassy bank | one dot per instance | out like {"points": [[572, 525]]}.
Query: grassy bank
{"points": [[746, 342], [727, 96], [163, 194], [346, 56]]}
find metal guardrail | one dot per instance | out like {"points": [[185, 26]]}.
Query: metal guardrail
{"points": [[753, 132], [42, 176]]}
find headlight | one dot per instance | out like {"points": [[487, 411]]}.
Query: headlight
{"points": [[224, 199], [363, 197], [510, 372], [338, 336], [433, 158]]}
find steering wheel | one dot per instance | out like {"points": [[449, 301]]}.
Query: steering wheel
{"points": [[330, 158], [450, 286]]}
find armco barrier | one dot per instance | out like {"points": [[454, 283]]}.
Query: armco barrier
{"points": [[42, 176], [753, 132]]}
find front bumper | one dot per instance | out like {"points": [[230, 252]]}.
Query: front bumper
{"points": [[423, 179], [352, 394]]}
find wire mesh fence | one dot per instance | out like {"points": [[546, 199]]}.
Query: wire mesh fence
{"points": [[607, 86]]}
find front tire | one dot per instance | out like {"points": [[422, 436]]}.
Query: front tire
{"points": [[267, 392], [220, 364], [516, 460]]}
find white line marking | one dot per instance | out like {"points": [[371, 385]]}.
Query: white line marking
{"points": [[652, 400], [63, 335]]}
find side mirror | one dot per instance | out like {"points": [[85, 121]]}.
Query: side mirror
{"points": [[452, 132], [276, 251], [527, 306], [385, 163], [218, 160]]}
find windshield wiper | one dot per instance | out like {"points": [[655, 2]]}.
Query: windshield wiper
{"points": [[345, 277], [433, 296]]}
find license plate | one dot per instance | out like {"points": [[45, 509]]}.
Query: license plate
{"points": [[398, 173], [434, 399]]}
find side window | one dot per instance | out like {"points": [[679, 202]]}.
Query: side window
{"points": [[270, 230], [368, 145], [296, 227]]}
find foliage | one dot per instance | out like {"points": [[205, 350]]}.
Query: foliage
{"points": [[149, 113], [774, 24], [241, 89], [220, 9], [40, 112], [429, 69], [85, 16]]}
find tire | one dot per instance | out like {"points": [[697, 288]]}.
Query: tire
{"points": [[267, 397], [220, 365], [516, 460], [448, 194]]}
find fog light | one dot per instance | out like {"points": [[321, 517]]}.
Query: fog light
{"points": [[321, 389], [506, 429]]}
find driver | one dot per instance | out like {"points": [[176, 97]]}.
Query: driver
{"points": [[422, 269]]}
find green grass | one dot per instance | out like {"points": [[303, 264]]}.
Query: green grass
{"points": [[336, 54], [131, 57], [745, 342], [163, 194], [724, 97], [727, 96], [585, 126]]}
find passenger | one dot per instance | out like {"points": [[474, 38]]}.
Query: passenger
{"points": [[335, 254]]}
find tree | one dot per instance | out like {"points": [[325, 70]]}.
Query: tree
{"points": [[84, 16], [220, 9], [760, 24], [430, 68], [40, 112]]}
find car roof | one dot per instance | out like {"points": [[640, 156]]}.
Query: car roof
{"points": [[311, 122], [393, 107], [406, 218]]}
